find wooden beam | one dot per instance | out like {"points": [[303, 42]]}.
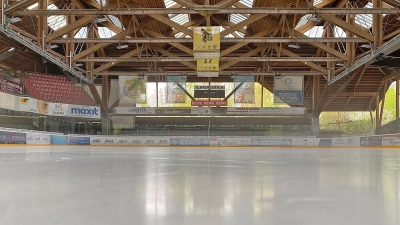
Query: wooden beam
{"points": [[77, 24], [322, 46], [174, 25], [309, 64], [350, 47], [177, 45], [247, 54], [111, 64], [17, 5], [382, 104], [315, 91], [348, 27], [242, 24], [226, 3], [167, 53]]}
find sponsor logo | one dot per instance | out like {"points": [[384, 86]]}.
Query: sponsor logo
{"points": [[58, 106], [24, 100], [137, 110], [96, 141], [82, 111]]}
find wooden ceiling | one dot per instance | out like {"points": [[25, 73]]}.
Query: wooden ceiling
{"points": [[356, 92]]}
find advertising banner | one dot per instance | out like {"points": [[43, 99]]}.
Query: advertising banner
{"points": [[189, 141], [58, 109], [135, 110], [218, 141], [245, 94], [91, 112], [295, 111], [325, 142], [210, 103], [38, 139], [371, 141], [23, 104], [33, 105], [8, 101], [391, 140], [59, 139], [78, 140], [271, 142], [173, 111], [103, 140], [42, 107], [11, 87], [305, 142], [132, 89], [12, 137], [288, 89]]}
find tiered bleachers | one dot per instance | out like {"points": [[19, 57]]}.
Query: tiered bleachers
{"points": [[55, 89]]}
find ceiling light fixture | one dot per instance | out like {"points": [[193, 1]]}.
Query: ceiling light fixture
{"points": [[366, 46], [122, 46], [295, 46], [13, 20], [52, 46], [314, 19], [100, 20]]}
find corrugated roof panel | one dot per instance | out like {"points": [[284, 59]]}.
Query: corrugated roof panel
{"points": [[248, 3]]}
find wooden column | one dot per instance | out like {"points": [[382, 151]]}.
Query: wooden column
{"points": [[315, 91], [330, 65], [377, 110], [350, 47], [90, 65], [105, 90], [41, 23], [69, 47], [208, 17], [377, 23]]}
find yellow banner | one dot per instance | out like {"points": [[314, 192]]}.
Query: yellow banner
{"points": [[207, 39], [207, 65]]}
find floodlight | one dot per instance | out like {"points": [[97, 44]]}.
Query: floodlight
{"points": [[366, 46], [314, 19], [122, 46], [52, 46], [78, 64], [296, 46], [398, 18], [100, 20], [13, 20]]}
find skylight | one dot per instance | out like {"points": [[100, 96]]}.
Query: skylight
{"points": [[56, 22], [315, 31], [365, 20], [169, 3], [115, 21], [105, 32], [177, 18]]}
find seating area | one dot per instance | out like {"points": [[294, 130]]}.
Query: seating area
{"points": [[55, 89]]}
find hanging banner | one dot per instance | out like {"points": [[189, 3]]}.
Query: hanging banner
{"points": [[11, 87], [245, 89], [206, 39], [288, 89], [175, 94], [209, 103], [207, 65], [132, 89]]}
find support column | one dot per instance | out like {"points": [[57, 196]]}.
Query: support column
{"points": [[377, 111], [105, 125], [69, 47], [315, 125], [330, 65], [315, 92]]}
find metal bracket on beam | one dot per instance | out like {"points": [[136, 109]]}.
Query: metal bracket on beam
{"points": [[56, 60]]}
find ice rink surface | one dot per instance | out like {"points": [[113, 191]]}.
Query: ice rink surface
{"points": [[76, 185]]}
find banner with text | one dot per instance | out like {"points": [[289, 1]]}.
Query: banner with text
{"points": [[288, 89]]}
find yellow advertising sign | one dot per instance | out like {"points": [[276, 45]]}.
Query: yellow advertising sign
{"points": [[206, 39], [209, 65]]}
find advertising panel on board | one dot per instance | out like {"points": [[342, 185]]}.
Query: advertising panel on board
{"points": [[391, 140], [190, 141], [271, 142], [59, 139], [11, 87], [222, 141], [12, 137], [78, 140], [38, 139], [173, 111], [305, 142], [371, 141], [325, 142]]}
